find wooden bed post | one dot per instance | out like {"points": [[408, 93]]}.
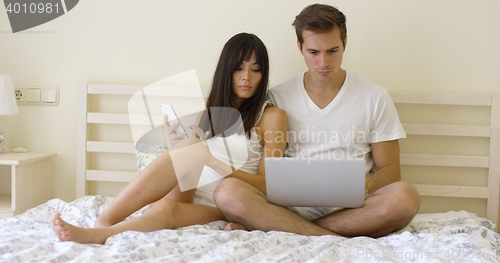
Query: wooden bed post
{"points": [[81, 140], [494, 171]]}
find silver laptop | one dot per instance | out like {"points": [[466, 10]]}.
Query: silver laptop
{"points": [[309, 182]]}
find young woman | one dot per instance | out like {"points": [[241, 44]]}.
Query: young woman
{"points": [[240, 82]]}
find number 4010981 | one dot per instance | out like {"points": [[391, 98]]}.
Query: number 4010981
{"points": [[32, 8]]}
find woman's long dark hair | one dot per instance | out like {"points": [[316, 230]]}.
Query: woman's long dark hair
{"points": [[237, 49]]}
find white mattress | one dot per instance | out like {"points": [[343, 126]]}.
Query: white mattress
{"points": [[446, 237]]}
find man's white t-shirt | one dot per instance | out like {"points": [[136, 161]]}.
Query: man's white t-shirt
{"points": [[362, 113]]}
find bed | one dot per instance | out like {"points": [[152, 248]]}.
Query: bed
{"points": [[452, 156]]}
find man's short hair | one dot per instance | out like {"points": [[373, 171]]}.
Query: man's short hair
{"points": [[320, 18]]}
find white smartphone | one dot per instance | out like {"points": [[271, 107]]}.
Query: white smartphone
{"points": [[172, 118]]}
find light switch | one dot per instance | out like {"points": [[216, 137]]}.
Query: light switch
{"points": [[49, 95], [33, 95]]}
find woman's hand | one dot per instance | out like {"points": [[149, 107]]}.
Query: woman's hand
{"points": [[210, 159], [173, 137], [189, 156], [196, 148], [217, 165]]}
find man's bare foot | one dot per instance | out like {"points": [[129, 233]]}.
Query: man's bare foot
{"points": [[235, 226], [68, 232]]}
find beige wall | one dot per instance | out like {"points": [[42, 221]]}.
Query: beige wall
{"points": [[447, 46]]}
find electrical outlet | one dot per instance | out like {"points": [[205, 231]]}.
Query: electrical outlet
{"points": [[20, 95], [37, 95]]}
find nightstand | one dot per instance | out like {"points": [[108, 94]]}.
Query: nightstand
{"points": [[29, 176]]}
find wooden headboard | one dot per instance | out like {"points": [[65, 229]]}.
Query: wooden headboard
{"points": [[451, 153]]}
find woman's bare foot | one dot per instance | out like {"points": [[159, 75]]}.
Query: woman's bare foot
{"points": [[235, 226], [68, 232]]}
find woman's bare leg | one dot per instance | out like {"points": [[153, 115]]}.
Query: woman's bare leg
{"points": [[147, 187], [153, 183], [163, 214]]}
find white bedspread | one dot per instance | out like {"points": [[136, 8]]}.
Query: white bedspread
{"points": [[447, 237]]}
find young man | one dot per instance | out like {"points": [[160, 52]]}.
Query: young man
{"points": [[328, 98]]}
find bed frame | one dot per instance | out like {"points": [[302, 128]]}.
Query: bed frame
{"points": [[451, 155]]}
